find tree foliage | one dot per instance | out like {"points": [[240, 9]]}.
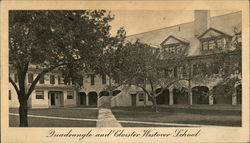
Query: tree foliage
{"points": [[51, 40]]}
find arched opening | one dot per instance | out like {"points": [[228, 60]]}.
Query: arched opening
{"points": [[200, 95], [103, 93], [239, 94], [116, 92], [82, 98], [180, 96], [92, 98], [163, 98], [223, 94]]}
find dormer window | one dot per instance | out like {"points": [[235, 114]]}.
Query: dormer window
{"points": [[213, 43], [213, 39], [173, 45]]}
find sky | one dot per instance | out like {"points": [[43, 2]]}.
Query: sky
{"points": [[138, 21]]}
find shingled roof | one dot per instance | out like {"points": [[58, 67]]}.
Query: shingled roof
{"points": [[224, 23]]}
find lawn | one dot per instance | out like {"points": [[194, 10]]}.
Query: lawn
{"points": [[82, 113], [177, 115]]}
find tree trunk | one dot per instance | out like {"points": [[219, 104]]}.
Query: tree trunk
{"points": [[23, 112], [154, 103]]}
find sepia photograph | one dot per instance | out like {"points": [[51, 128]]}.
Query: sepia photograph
{"points": [[70, 69], [122, 72]]}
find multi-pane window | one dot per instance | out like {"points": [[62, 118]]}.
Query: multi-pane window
{"points": [[184, 72], [215, 68], [141, 96], [203, 68], [41, 80], [211, 44], [204, 45], [70, 95], [104, 79], [39, 94], [9, 94], [195, 70], [52, 79], [30, 78], [219, 43], [59, 79], [92, 78]]}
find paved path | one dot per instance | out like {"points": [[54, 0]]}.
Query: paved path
{"points": [[106, 119]]}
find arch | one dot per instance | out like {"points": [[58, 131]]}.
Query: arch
{"points": [[200, 95], [180, 96], [163, 99], [103, 93], [92, 98], [82, 98], [239, 94], [222, 94], [115, 92]]}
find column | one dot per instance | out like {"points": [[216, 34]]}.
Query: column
{"points": [[171, 97], [211, 100], [190, 97], [234, 97], [87, 100]]}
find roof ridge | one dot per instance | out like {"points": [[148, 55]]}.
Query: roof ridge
{"points": [[180, 24]]}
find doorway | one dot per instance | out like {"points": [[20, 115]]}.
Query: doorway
{"points": [[52, 99], [133, 99]]}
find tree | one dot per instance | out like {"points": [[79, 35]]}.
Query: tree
{"points": [[51, 40], [141, 65]]}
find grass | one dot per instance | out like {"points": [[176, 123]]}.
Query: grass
{"points": [[41, 122], [177, 115], [88, 113], [84, 113]]}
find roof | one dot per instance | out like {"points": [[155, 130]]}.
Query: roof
{"points": [[185, 32]]}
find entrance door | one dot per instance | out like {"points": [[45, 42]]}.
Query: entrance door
{"points": [[82, 98], [133, 99], [52, 99]]}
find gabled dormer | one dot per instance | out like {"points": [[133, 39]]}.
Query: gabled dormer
{"points": [[174, 45], [214, 40]]}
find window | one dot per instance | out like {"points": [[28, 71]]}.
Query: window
{"points": [[195, 70], [41, 80], [9, 94], [204, 45], [15, 78], [92, 79], [175, 71], [52, 79], [39, 94], [70, 95], [219, 43], [30, 78], [141, 96], [211, 44], [104, 79], [59, 79], [215, 68], [184, 71]]}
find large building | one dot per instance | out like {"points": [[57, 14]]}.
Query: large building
{"points": [[202, 40]]}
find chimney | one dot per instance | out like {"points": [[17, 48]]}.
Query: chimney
{"points": [[201, 21]]}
